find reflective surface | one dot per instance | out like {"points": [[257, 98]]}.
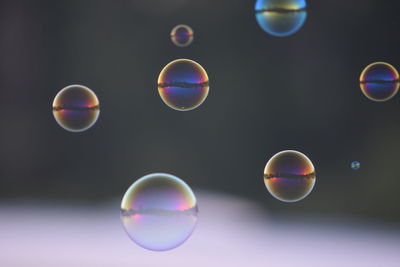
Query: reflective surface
{"points": [[289, 176], [159, 211], [183, 84], [281, 17], [76, 108], [182, 35], [379, 81]]}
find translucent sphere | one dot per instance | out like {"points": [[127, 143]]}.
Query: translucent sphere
{"points": [[379, 81], [281, 17], [355, 165], [159, 211], [182, 35], [289, 176], [76, 108], [183, 84]]}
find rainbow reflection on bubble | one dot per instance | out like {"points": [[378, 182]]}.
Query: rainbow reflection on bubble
{"points": [[159, 211], [289, 176], [76, 108], [281, 17], [182, 35], [379, 81], [183, 84]]}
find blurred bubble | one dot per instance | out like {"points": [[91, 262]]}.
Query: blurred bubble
{"points": [[183, 84], [289, 176], [355, 165], [379, 81], [182, 35], [281, 17], [159, 211], [76, 108]]}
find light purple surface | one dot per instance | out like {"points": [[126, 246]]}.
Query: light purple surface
{"points": [[230, 232]]}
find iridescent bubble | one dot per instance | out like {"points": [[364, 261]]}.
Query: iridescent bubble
{"points": [[183, 84], [182, 35], [289, 176], [281, 17], [159, 211], [379, 81], [76, 108], [355, 165]]}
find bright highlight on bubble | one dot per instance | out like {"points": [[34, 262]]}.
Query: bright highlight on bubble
{"points": [[289, 176], [281, 17], [183, 84], [76, 108], [182, 35], [379, 81], [159, 212], [355, 165]]}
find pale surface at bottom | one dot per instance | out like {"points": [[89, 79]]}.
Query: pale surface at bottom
{"points": [[230, 232]]}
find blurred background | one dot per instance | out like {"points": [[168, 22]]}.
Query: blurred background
{"points": [[59, 190]]}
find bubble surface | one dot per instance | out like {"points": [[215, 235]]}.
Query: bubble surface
{"points": [[355, 165], [183, 84], [281, 17], [76, 108], [182, 35], [159, 211], [289, 176], [379, 81]]}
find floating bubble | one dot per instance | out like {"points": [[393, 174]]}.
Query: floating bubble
{"points": [[281, 17], [76, 108], [289, 176], [355, 165], [379, 81], [182, 35], [159, 211], [183, 84]]}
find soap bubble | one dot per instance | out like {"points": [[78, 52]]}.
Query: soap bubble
{"points": [[379, 81], [183, 84], [289, 176], [182, 35], [76, 108], [281, 17], [355, 165], [159, 212]]}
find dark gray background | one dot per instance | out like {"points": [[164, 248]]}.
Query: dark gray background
{"points": [[266, 94]]}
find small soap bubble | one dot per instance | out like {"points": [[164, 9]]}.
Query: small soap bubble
{"points": [[289, 176], [183, 84], [379, 81], [281, 17], [355, 165], [76, 108], [182, 35], [159, 211]]}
